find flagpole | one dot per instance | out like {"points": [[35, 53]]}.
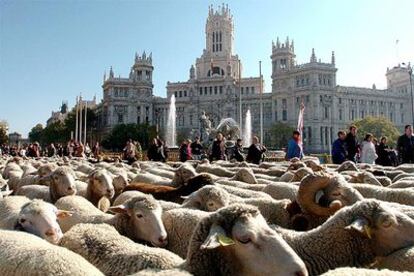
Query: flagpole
{"points": [[80, 120], [76, 118], [261, 102], [86, 110], [240, 104]]}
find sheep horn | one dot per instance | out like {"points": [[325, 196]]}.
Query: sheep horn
{"points": [[308, 188]]}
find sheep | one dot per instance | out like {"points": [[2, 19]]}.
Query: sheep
{"points": [[401, 260], [99, 186], [245, 175], [281, 190], [354, 236], [114, 254], [158, 272], [145, 177], [4, 189], [138, 218], [36, 217], [179, 224], [61, 183], [236, 240], [402, 184], [240, 192], [243, 185], [406, 167], [25, 254], [402, 196], [364, 177], [353, 271], [46, 169], [347, 166], [171, 193], [384, 180], [214, 169]]}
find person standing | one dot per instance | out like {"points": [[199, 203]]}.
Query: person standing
{"points": [[129, 152], [185, 151], [293, 148], [218, 150], [338, 148], [405, 146], [51, 151], [383, 153], [196, 149], [96, 150], [238, 151], [351, 144], [256, 151], [368, 153]]}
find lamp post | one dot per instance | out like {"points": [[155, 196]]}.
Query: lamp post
{"points": [[240, 103], [261, 102], [410, 74]]}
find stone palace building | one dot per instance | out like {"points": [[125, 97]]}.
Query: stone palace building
{"points": [[214, 85]]}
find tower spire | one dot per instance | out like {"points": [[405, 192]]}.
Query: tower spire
{"points": [[313, 56], [333, 58], [111, 73]]}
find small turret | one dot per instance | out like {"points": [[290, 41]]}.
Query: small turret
{"points": [[333, 58], [111, 73], [192, 72], [313, 56]]}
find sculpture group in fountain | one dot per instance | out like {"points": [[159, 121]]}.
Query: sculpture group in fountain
{"points": [[227, 126]]}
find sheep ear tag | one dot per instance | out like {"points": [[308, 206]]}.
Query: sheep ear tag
{"points": [[361, 226], [224, 240]]}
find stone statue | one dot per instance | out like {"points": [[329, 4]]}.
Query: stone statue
{"points": [[205, 126]]}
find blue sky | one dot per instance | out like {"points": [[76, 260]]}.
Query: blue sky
{"points": [[53, 50]]}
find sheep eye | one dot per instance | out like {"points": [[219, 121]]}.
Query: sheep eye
{"points": [[336, 194], [244, 240], [386, 223], [22, 220], [139, 216]]}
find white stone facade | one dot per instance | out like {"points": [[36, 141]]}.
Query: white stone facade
{"points": [[214, 87]]}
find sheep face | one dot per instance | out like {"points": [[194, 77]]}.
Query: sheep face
{"points": [[183, 174], [46, 169], [100, 184], [254, 247], [388, 228], [144, 214], [40, 218], [208, 198], [119, 182]]}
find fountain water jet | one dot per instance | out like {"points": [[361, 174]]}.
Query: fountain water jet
{"points": [[171, 135], [247, 133]]}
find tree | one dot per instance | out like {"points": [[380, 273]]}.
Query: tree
{"points": [[280, 133], [378, 126], [35, 133], [121, 133], [3, 136], [54, 133]]}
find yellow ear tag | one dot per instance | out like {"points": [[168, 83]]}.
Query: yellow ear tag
{"points": [[368, 231], [224, 240]]}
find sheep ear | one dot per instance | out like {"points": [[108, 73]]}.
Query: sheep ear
{"points": [[217, 237], [61, 214], [185, 197], [7, 193], [104, 204], [361, 225], [119, 209], [45, 180]]}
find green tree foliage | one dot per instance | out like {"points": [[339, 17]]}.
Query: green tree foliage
{"points": [[378, 126], [117, 138], [3, 136], [54, 133], [35, 134], [280, 133]]}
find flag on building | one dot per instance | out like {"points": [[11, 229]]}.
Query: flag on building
{"points": [[300, 124]]}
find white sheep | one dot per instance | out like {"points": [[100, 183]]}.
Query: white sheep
{"points": [[401, 260], [25, 254], [33, 216], [139, 218], [353, 271], [60, 182], [113, 254], [236, 240], [353, 236]]}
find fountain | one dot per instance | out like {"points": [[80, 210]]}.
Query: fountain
{"points": [[247, 133], [171, 135]]}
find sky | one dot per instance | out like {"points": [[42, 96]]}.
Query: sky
{"points": [[51, 51]]}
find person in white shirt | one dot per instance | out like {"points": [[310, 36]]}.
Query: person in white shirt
{"points": [[368, 153]]}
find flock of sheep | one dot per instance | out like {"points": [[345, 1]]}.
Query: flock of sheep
{"points": [[61, 216]]}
